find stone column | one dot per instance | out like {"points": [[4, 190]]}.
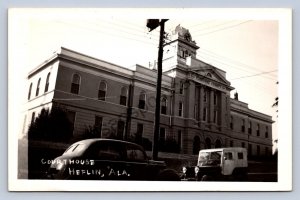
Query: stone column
{"points": [[190, 101], [211, 106]]}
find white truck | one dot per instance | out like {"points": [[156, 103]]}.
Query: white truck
{"points": [[218, 165]]}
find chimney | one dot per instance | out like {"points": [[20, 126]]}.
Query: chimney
{"points": [[236, 96]]}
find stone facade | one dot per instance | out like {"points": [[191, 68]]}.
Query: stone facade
{"points": [[196, 109]]}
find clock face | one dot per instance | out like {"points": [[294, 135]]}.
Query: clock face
{"points": [[187, 36]]}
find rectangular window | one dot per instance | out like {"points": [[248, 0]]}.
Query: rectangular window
{"points": [[266, 135], [240, 156], [75, 88], [140, 130], [98, 125], [181, 88], [29, 92], [180, 109], [231, 143], [215, 116], [162, 134], [164, 110], [215, 99], [250, 128], [120, 130], [205, 96], [258, 150], [142, 104], [228, 156], [196, 112], [204, 114], [101, 95], [257, 130], [32, 117]]}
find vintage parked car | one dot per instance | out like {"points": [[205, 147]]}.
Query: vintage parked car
{"points": [[108, 159], [218, 165]]}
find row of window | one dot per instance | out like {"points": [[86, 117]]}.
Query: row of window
{"points": [[102, 91], [76, 80], [37, 91], [243, 129], [205, 114], [258, 151], [139, 131]]}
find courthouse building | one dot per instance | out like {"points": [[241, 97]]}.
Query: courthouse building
{"points": [[196, 108]]}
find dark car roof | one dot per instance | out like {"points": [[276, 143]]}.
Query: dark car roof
{"points": [[91, 141]]}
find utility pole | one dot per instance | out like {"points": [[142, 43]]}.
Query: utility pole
{"points": [[152, 24]]}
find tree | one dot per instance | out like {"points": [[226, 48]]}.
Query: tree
{"points": [[51, 125]]}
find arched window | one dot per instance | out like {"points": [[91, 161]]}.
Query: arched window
{"points": [[208, 143], [180, 109], [163, 106], [47, 83], [123, 96], [142, 100], [75, 84], [38, 87], [218, 144], [196, 145], [29, 92], [102, 91]]}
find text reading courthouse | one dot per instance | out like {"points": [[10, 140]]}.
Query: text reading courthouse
{"points": [[197, 111]]}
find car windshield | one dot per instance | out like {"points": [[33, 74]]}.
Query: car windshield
{"points": [[75, 148], [209, 158]]}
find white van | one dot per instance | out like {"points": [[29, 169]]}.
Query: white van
{"points": [[219, 164]]}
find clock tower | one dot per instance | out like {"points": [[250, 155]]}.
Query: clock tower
{"points": [[181, 45]]}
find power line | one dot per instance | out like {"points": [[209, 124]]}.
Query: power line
{"points": [[212, 27], [254, 75], [228, 27], [106, 33], [229, 59], [233, 64]]}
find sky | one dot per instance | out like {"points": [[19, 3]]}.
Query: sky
{"points": [[245, 46]]}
